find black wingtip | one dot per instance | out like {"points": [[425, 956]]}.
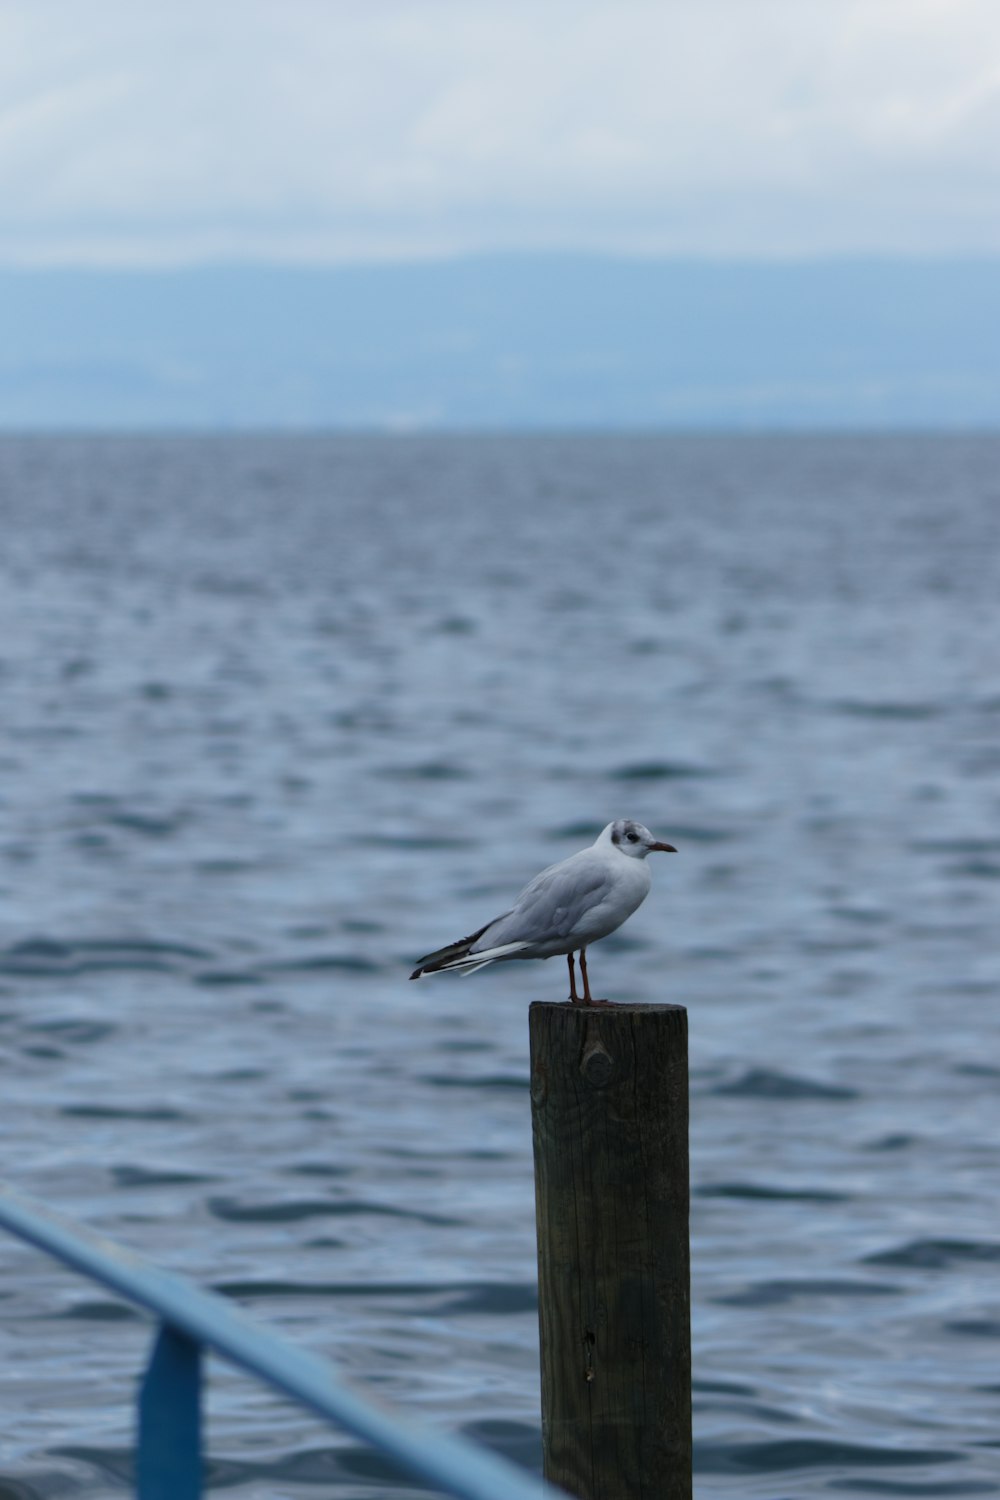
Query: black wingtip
{"points": [[433, 963]]}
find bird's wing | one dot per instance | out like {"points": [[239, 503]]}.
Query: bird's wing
{"points": [[552, 905], [441, 957]]}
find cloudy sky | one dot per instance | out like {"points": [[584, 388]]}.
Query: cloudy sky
{"points": [[325, 131]]}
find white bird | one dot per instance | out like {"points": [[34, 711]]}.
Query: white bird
{"points": [[564, 909]]}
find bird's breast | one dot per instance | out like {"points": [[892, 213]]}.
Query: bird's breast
{"points": [[625, 894]]}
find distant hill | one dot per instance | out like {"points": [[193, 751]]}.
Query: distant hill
{"points": [[509, 341]]}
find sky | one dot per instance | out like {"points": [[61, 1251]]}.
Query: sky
{"points": [[322, 132]]}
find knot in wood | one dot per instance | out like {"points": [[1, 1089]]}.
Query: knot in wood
{"points": [[597, 1065]]}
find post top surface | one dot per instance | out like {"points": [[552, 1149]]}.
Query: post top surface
{"points": [[608, 1008]]}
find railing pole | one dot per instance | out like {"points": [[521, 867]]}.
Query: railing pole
{"points": [[168, 1458], [192, 1319], [609, 1091]]}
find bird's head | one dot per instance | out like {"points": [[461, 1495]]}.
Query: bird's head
{"points": [[634, 839]]}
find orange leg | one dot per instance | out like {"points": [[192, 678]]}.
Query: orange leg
{"points": [[588, 998], [572, 980]]}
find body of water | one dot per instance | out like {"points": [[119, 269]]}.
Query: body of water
{"points": [[280, 714]]}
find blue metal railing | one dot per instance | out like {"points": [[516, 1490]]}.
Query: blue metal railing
{"points": [[169, 1443]]}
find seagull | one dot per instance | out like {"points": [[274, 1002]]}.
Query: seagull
{"points": [[564, 909]]}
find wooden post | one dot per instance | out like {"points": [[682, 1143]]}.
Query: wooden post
{"points": [[609, 1092]]}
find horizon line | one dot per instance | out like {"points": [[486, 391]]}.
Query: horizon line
{"points": [[414, 259]]}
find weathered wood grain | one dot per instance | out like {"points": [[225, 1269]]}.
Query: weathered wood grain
{"points": [[609, 1090]]}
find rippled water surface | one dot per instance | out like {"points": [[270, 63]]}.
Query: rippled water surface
{"points": [[281, 714]]}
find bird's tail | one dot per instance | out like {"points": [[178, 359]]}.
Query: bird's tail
{"points": [[458, 957]]}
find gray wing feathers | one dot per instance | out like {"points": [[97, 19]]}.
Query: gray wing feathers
{"points": [[550, 906]]}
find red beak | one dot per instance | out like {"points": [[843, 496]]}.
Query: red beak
{"points": [[666, 848]]}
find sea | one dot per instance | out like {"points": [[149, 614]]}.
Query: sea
{"points": [[282, 713]]}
